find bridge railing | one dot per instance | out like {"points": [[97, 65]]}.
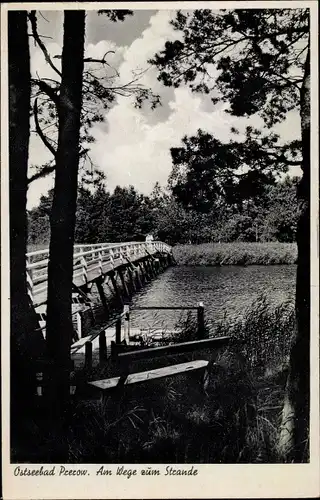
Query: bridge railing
{"points": [[89, 262]]}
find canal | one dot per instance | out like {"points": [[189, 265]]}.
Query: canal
{"points": [[226, 290]]}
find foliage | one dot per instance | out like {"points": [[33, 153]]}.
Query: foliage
{"points": [[236, 253], [116, 15], [282, 210], [172, 223], [205, 170], [259, 55], [39, 221], [126, 215], [252, 60], [129, 217]]}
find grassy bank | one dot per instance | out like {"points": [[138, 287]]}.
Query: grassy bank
{"points": [[236, 420], [237, 253]]}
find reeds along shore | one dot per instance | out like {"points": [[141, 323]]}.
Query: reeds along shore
{"points": [[236, 421], [237, 253], [170, 421]]}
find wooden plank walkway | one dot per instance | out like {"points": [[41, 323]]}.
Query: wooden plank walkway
{"points": [[90, 263]]}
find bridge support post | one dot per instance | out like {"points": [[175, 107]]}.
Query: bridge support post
{"points": [[146, 270], [115, 286], [102, 347], [157, 266], [79, 324], [118, 331], [131, 279], [138, 271], [114, 351], [200, 316], [126, 326], [164, 261], [161, 266], [124, 284], [143, 278], [150, 269], [102, 295], [88, 356], [136, 277], [153, 263]]}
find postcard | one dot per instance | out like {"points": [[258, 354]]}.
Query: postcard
{"points": [[160, 250]]}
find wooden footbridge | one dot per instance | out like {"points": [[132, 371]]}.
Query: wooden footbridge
{"points": [[126, 267], [93, 264]]}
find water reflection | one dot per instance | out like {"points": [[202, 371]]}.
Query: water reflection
{"points": [[223, 290]]}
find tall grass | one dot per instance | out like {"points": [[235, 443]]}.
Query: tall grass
{"points": [[237, 253], [235, 419], [265, 332]]}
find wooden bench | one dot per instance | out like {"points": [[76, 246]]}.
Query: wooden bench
{"points": [[198, 365]]}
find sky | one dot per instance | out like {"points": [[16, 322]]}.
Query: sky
{"points": [[132, 146]]}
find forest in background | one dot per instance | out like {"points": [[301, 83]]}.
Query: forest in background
{"points": [[127, 215]]}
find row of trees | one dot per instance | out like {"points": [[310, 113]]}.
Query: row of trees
{"points": [[126, 215]]}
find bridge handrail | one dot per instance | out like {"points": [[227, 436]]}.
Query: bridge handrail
{"points": [[100, 254], [99, 246], [89, 252]]}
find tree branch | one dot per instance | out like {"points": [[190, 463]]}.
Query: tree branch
{"points": [[44, 139], [291, 163], [283, 159], [47, 89], [48, 169], [101, 61], [33, 19]]}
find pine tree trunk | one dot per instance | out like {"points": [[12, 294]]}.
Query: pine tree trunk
{"points": [[293, 443], [26, 344], [62, 221]]}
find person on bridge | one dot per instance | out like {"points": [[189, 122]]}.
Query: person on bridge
{"points": [[149, 237]]}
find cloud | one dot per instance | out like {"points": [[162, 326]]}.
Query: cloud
{"points": [[133, 146], [136, 152], [39, 67], [143, 48], [38, 153], [136, 149]]}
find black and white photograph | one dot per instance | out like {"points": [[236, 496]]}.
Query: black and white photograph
{"points": [[159, 217]]}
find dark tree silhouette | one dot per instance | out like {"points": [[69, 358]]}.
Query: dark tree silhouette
{"points": [[205, 169], [27, 344], [263, 62], [62, 219], [294, 439]]}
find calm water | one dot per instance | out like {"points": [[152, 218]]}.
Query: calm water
{"points": [[227, 289]]}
